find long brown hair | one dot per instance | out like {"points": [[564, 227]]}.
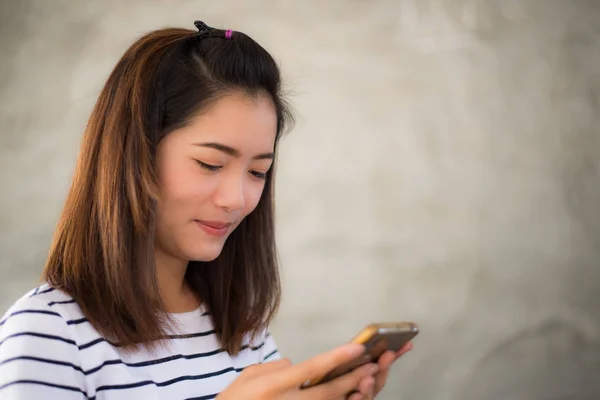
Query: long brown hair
{"points": [[103, 248]]}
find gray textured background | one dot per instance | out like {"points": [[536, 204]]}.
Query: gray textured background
{"points": [[444, 169]]}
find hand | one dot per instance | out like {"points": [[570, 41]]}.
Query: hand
{"points": [[280, 380], [385, 362]]}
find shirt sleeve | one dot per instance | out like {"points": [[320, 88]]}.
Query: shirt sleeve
{"points": [[39, 358]]}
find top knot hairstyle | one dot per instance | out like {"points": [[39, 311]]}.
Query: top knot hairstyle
{"points": [[103, 248], [206, 31]]}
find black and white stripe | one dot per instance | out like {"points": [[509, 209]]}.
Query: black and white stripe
{"points": [[49, 349]]}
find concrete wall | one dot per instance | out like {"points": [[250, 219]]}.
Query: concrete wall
{"points": [[445, 169]]}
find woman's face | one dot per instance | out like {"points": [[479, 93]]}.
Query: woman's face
{"points": [[212, 174]]}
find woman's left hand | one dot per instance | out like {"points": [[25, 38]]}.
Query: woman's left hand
{"points": [[385, 362], [372, 385]]}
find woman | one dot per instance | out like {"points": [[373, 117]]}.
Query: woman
{"points": [[162, 277]]}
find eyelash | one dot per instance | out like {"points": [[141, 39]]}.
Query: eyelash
{"points": [[259, 175], [209, 167], [214, 168]]}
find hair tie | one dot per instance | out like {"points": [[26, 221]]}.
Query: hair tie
{"points": [[203, 29]]}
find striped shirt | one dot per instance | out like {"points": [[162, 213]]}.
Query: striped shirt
{"points": [[49, 350]]}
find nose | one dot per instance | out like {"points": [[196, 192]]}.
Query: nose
{"points": [[230, 192]]}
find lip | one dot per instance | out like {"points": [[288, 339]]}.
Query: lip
{"points": [[214, 228]]}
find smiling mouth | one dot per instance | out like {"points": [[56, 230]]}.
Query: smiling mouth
{"points": [[214, 228]]}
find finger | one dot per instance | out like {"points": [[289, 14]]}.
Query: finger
{"points": [[356, 396], [405, 349], [380, 380], [385, 362], [319, 365], [366, 385], [343, 385]]}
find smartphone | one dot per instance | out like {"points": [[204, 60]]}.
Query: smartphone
{"points": [[377, 339]]}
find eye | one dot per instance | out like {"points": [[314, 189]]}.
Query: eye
{"points": [[209, 167], [259, 175]]}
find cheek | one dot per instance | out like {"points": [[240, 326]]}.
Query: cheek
{"points": [[182, 189], [252, 195]]}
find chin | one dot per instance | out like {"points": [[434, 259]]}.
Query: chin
{"points": [[206, 255], [204, 259]]}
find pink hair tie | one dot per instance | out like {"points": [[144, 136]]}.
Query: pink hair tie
{"points": [[228, 33]]}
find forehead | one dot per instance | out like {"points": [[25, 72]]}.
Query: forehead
{"points": [[247, 123]]}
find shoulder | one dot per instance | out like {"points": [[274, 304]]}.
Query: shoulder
{"points": [[40, 311], [39, 355], [43, 300]]}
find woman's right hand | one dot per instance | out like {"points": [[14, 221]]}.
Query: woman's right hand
{"points": [[280, 380]]}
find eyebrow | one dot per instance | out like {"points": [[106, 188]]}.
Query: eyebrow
{"points": [[233, 152]]}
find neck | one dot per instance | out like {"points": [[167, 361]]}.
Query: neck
{"points": [[176, 295]]}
